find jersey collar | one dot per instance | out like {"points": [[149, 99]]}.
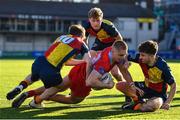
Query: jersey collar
{"points": [[110, 56]]}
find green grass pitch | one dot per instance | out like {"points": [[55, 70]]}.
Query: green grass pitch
{"points": [[104, 104]]}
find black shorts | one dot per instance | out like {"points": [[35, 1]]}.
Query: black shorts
{"points": [[148, 92], [98, 45], [42, 69]]}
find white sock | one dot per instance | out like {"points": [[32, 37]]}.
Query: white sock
{"points": [[20, 87]]}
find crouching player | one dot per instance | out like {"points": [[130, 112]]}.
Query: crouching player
{"points": [[157, 78], [83, 77]]}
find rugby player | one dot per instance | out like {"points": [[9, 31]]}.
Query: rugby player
{"points": [[48, 67], [157, 79]]}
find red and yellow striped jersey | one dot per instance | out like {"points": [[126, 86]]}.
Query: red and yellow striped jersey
{"points": [[157, 76], [64, 48], [106, 34]]}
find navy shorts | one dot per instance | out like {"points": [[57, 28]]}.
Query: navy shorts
{"points": [[42, 69], [98, 45], [148, 92]]}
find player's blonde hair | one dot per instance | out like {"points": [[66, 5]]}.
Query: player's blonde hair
{"points": [[95, 13], [120, 45]]}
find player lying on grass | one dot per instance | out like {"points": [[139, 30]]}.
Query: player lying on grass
{"points": [[83, 77], [47, 67], [157, 78]]}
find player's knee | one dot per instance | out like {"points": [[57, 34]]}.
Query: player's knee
{"points": [[76, 100], [157, 103], [152, 105]]}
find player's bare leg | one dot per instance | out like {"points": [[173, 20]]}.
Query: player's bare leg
{"points": [[66, 99], [151, 105], [49, 93]]}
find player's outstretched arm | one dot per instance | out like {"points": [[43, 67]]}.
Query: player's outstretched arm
{"points": [[126, 74], [73, 62]]}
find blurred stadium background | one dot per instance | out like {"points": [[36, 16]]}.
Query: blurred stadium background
{"points": [[28, 27]]}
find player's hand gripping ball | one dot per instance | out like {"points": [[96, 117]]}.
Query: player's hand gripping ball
{"points": [[106, 78]]}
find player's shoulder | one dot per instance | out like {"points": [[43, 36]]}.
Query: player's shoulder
{"points": [[107, 22], [106, 51], [102, 55], [107, 25], [161, 63]]}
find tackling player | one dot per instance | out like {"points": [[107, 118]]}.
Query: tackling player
{"points": [[47, 67], [157, 78]]}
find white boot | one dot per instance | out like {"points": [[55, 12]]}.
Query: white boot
{"points": [[32, 104]]}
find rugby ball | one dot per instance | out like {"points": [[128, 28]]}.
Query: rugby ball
{"points": [[106, 78]]}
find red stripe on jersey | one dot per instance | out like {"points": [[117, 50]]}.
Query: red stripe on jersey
{"points": [[108, 40], [157, 86], [144, 69], [91, 32], [51, 48], [77, 43]]}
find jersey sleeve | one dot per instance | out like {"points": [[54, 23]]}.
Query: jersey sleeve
{"points": [[114, 31], [84, 49], [134, 58], [167, 75], [111, 29]]}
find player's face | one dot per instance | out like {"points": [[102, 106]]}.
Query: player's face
{"points": [[145, 58], [95, 23], [118, 55]]}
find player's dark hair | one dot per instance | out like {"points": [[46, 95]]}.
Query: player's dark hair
{"points": [[119, 44], [149, 47], [77, 30], [95, 13]]}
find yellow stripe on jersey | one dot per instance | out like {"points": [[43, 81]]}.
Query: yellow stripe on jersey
{"points": [[107, 22], [102, 34], [155, 75], [59, 53]]}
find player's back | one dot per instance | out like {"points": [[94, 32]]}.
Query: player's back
{"points": [[63, 49]]}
